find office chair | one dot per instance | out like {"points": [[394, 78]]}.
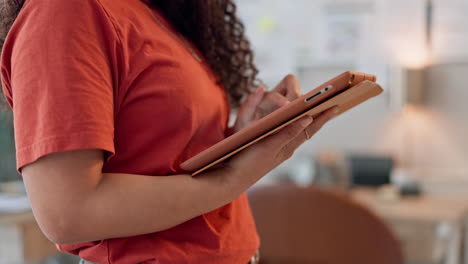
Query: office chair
{"points": [[308, 225]]}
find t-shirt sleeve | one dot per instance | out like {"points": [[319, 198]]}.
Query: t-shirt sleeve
{"points": [[58, 77]]}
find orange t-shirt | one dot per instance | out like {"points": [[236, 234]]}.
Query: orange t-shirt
{"points": [[103, 74]]}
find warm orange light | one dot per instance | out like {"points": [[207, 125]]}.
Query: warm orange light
{"points": [[422, 139], [412, 56]]}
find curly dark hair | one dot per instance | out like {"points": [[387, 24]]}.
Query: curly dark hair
{"points": [[9, 10], [211, 25]]}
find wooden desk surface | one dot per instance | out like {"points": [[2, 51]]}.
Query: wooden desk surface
{"points": [[417, 222], [421, 208]]}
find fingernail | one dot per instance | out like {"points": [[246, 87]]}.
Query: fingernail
{"points": [[306, 121], [336, 110]]}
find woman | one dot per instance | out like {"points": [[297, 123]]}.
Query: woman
{"points": [[109, 97]]}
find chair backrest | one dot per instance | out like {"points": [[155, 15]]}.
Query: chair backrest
{"points": [[309, 225]]}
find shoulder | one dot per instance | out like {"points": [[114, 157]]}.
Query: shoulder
{"points": [[119, 13], [57, 9], [64, 12], [58, 28], [54, 17]]}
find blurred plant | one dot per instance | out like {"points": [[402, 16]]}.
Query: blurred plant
{"points": [[7, 148]]}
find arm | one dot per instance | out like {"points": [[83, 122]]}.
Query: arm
{"points": [[74, 202]]}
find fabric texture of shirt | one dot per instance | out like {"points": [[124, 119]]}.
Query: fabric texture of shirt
{"points": [[103, 74]]}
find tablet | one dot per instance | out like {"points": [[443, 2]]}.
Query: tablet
{"points": [[345, 91]]}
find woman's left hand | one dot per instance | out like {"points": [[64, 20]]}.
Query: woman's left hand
{"points": [[261, 103]]}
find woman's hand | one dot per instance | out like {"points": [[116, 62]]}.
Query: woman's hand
{"points": [[251, 164], [261, 103]]}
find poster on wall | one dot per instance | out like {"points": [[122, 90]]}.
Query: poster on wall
{"points": [[299, 35], [341, 30]]}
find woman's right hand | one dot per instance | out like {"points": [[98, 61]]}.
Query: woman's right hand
{"points": [[251, 164]]}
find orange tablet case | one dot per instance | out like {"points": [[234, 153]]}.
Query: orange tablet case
{"points": [[346, 91]]}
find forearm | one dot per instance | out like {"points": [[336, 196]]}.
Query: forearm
{"points": [[123, 205]]}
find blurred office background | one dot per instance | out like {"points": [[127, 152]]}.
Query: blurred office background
{"points": [[387, 180]]}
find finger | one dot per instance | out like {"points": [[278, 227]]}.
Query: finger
{"points": [[271, 101], [247, 110], [312, 129], [321, 120], [291, 138], [289, 87], [289, 133], [272, 144]]}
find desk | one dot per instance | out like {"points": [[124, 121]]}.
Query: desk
{"points": [[21, 240], [431, 228]]}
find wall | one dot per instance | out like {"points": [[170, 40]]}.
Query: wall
{"points": [[296, 36], [431, 138], [446, 97]]}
